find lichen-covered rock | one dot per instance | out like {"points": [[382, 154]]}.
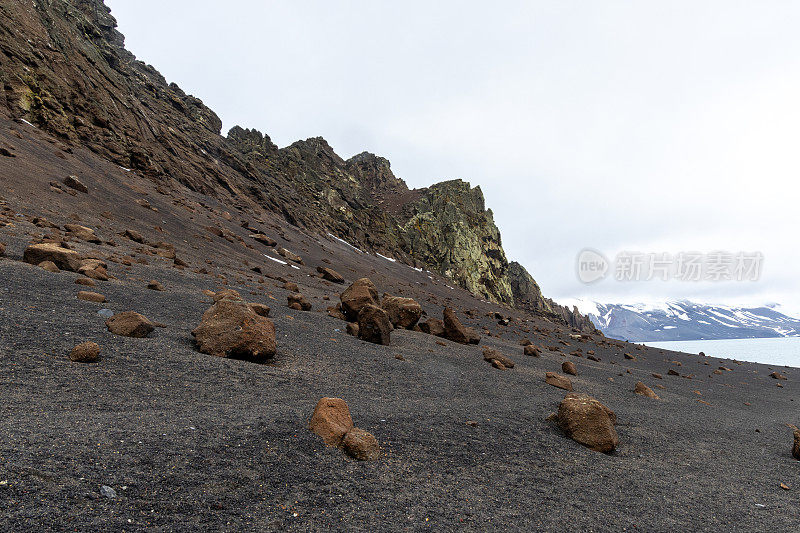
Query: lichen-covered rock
{"points": [[230, 328], [362, 292], [404, 313], [587, 421]]}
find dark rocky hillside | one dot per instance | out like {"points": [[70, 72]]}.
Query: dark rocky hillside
{"points": [[64, 68]]}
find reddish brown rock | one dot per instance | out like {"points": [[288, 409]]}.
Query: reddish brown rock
{"points": [[532, 350], [644, 390], [49, 266], [153, 285], [129, 324], [362, 292], [335, 311], [352, 329], [490, 355], [135, 236], [260, 309], [630, 357], [2, 249], [557, 380], [286, 254], [568, 367], [263, 239], [230, 328], [361, 445], [374, 325], [796, 447], [331, 420], [64, 258], [74, 183], [777, 375], [672, 372], [298, 301], [588, 422], [593, 358], [525, 342], [86, 282], [453, 329], [291, 286], [81, 233], [404, 313], [89, 296], [432, 326], [87, 352], [330, 275]]}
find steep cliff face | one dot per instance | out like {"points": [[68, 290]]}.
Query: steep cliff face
{"points": [[64, 68]]}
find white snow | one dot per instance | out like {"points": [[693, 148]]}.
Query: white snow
{"points": [[345, 242], [276, 260], [28, 123], [387, 258]]}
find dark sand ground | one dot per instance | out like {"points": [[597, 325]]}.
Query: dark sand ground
{"points": [[194, 442]]}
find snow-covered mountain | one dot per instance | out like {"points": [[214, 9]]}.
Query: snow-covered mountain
{"points": [[684, 320]]}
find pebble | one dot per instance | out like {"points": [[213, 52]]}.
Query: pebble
{"points": [[106, 313], [108, 492]]}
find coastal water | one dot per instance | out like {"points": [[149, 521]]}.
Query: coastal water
{"points": [[782, 351]]}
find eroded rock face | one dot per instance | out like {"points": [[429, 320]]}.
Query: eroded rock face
{"points": [[331, 420], [63, 258], [374, 325], [404, 313], [362, 292], [230, 328], [130, 324], [587, 421]]}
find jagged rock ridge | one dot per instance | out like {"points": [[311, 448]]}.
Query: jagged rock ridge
{"points": [[65, 69]]}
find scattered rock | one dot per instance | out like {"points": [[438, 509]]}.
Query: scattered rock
{"points": [[335, 311], [588, 422], [352, 329], [64, 258], [491, 355], [330, 275], [87, 352], [630, 357], [263, 239], [49, 266], [777, 375], [260, 309], [672, 372], [532, 350], [362, 292], [657, 376], [86, 282], [432, 326], [796, 447], [108, 492], [525, 342], [230, 328], [135, 236], [644, 390], [82, 233], [404, 313], [361, 445], [286, 254], [453, 329], [568, 367], [89, 296], [331, 420], [74, 183], [298, 302], [374, 325], [593, 358], [557, 380], [291, 286], [153, 285], [130, 324]]}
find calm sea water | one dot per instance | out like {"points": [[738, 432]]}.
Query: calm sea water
{"points": [[783, 351]]}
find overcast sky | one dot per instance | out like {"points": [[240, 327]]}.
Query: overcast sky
{"points": [[640, 125]]}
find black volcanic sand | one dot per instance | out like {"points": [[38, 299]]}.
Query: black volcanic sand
{"points": [[192, 442]]}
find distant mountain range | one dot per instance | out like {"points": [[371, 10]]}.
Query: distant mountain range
{"points": [[685, 320]]}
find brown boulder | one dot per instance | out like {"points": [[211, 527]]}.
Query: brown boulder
{"points": [[330, 275], [796, 447], [260, 309], [362, 292], [87, 352], [129, 324], [587, 421], [153, 285], [672, 372], [298, 301], [331, 420], [81, 233], [453, 329], [432, 326], [227, 294], [404, 313], [86, 282], [49, 266], [644, 390], [490, 355], [532, 350], [777, 375], [352, 329], [64, 258], [230, 328], [557, 380], [525, 342], [88, 296], [568, 367], [374, 325], [74, 183], [361, 445]]}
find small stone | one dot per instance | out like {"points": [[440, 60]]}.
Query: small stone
{"points": [[796, 447], [568, 367], [453, 329], [49, 266], [74, 183], [491, 355], [777, 375], [106, 313], [672, 372], [643, 390], [352, 329], [291, 286], [362, 292], [532, 350], [154, 285], [298, 301], [130, 324], [108, 492], [260, 309], [404, 313], [89, 296], [557, 380], [432, 326], [361, 445], [331, 275], [87, 352]]}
